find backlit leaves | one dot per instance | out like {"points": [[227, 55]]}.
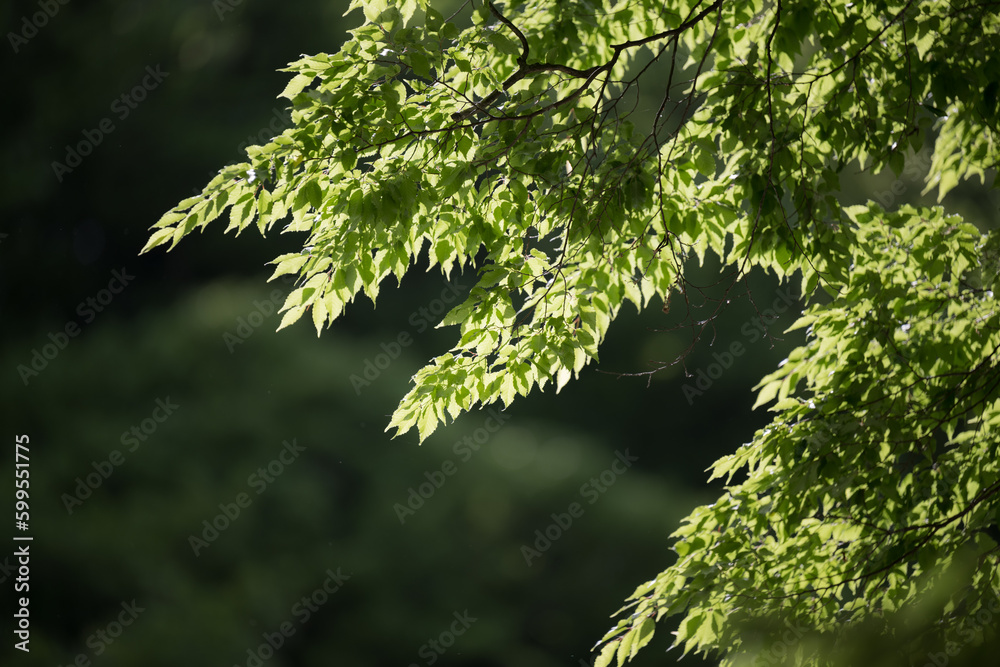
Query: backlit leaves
{"points": [[535, 171]]}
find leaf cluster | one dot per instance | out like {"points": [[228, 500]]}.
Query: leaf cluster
{"points": [[511, 148]]}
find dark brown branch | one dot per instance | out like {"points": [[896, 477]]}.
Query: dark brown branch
{"points": [[523, 60], [524, 68]]}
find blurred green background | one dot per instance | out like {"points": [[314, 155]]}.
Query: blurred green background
{"points": [[121, 487]]}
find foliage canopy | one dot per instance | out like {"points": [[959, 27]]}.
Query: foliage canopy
{"points": [[578, 154]]}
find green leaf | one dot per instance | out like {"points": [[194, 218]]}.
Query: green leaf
{"points": [[242, 212], [507, 389], [291, 316], [766, 394], [578, 182], [374, 9], [158, 238], [297, 84], [643, 635], [170, 218], [420, 64], [606, 655], [426, 423], [452, 178], [289, 263], [504, 43], [311, 193]]}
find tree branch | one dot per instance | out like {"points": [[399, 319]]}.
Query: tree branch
{"points": [[524, 68]]}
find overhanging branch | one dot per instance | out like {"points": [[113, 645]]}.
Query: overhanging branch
{"points": [[525, 68]]}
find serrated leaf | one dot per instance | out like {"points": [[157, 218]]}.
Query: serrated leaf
{"points": [[170, 218], [242, 212], [419, 63], [624, 646], [355, 4], [291, 316], [507, 389], [312, 193], [606, 655], [504, 44], [452, 178], [159, 237], [427, 423], [298, 83], [288, 264], [319, 315], [767, 393], [644, 633]]}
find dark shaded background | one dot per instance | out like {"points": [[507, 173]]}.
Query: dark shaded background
{"points": [[167, 336]]}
